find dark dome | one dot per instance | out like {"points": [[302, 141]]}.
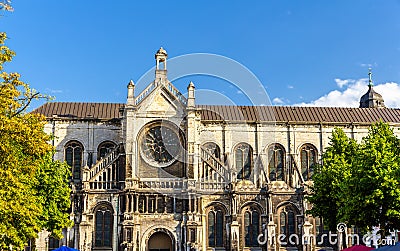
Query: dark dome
{"points": [[371, 99]]}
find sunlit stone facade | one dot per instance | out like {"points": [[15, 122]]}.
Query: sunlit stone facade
{"points": [[163, 173]]}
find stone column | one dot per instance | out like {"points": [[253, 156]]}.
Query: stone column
{"points": [[127, 201], [114, 199], [156, 204], [204, 232], [146, 204], [137, 203], [128, 129], [165, 204]]}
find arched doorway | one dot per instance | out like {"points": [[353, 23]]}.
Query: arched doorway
{"points": [[160, 241]]}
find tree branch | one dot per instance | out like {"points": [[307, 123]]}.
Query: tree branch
{"points": [[29, 100]]}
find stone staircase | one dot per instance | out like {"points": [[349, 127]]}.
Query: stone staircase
{"points": [[215, 164], [103, 174]]}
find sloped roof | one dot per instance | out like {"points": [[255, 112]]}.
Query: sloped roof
{"points": [[298, 114], [77, 110], [72, 110]]}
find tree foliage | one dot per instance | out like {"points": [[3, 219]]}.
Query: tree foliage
{"points": [[359, 183], [373, 189], [34, 192], [329, 178]]}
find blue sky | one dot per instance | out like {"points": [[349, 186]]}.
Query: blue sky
{"points": [[307, 52]]}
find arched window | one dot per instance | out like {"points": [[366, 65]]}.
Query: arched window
{"points": [[283, 224], [276, 165], [104, 148], [251, 227], [287, 223], [308, 155], [216, 228], [213, 149], [244, 161], [73, 157], [103, 227], [291, 223]]}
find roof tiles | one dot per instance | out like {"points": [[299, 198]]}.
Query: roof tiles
{"points": [[298, 114], [75, 110], [72, 110]]}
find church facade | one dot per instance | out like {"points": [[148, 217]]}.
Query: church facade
{"points": [[161, 172]]}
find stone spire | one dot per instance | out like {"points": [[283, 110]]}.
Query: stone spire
{"points": [[131, 93], [370, 83], [371, 99], [191, 96]]}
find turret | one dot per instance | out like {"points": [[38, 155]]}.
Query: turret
{"points": [[131, 93], [371, 99], [161, 64], [191, 98]]}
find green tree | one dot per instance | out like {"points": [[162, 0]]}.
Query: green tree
{"points": [[328, 180], [54, 194], [34, 192], [359, 184], [373, 189]]}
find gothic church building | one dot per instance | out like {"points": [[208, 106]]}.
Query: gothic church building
{"points": [[161, 172]]}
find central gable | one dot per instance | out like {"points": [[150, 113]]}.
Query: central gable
{"points": [[161, 101]]}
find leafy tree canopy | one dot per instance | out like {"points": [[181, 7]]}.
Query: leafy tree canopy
{"points": [[329, 177], [359, 183], [34, 192]]}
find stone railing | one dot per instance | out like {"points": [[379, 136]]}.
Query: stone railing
{"points": [[149, 89], [214, 163], [210, 186], [176, 93], [105, 185], [145, 92], [163, 184], [181, 184], [102, 164]]}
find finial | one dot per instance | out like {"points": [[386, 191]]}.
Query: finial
{"points": [[370, 83], [131, 83], [162, 52], [191, 95]]}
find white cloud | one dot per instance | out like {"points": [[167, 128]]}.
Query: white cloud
{"points": [[390, 93], [290, 86], [350, 97], [239, 92], [278, 101], [366, 65], [52, 91], [343, 82], [369, 65]]}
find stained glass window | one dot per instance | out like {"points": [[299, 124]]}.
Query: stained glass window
{"points": [[308, 161], [276, 157], [103, 231], [251, 227], [244, 159], [104, 148], [215, 228], [73, 157]]}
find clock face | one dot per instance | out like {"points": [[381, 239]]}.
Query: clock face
{"points": [[160, 145]]}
